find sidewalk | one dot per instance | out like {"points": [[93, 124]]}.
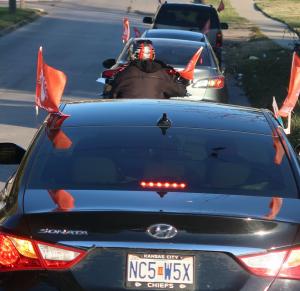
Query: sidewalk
{"points": [[275, 30]]}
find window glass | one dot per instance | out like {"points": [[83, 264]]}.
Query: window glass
{"points": [[208, 161], [187, 16], [175, 53]]}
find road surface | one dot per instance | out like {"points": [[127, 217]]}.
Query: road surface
{"points": [[76, 37]]}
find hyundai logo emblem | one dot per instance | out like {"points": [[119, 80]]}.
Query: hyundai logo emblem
{"points": [[162, 231]]}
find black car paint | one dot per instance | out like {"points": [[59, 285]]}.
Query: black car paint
{"points": [[219, 220]]}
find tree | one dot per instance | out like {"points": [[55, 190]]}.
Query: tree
{"points": [[12, 6]]}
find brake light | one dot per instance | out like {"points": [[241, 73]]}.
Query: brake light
{"points": [[283, 264], [219, 39], [25, 254], [108, 73], [163, 185], [215, 83]]}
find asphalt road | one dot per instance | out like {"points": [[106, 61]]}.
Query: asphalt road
{"points": [[76, 37]]}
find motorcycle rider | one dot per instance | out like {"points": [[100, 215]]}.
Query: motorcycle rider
{"points": [[145, 77]]}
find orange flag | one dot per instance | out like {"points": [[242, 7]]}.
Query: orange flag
{"points": [[137, 33], [188, 72], [126, 30], [50, 85], [221, 6], [294, 88], [206, 27]]}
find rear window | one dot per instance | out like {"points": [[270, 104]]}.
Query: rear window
{"points": [[185, 36], [187, 16], [208, 161], [176, 53]]}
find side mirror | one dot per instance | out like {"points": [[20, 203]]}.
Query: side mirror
{"points": [[148, 20], [224, 25], [107, 64], [11, 154]]}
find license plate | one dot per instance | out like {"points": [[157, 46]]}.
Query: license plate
{"points": [[160, 271]]}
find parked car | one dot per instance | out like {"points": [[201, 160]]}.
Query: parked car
{"points": [[152, 194], [195, 17], [208, 83]]}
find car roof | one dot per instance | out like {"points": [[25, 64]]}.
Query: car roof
{"points": [[175, 32], [191, 5], [182, 113], [169, 42]]}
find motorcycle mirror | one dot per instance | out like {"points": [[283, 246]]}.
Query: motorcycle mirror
{"points": [[107, 64]]}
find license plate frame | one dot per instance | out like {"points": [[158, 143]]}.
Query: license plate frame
{"points": [[159, 270]]}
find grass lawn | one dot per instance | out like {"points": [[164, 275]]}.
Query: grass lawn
{"points": [[264, 77], [269, 74], [286, 10], [7, 19]]}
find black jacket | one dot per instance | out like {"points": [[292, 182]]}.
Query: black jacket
{"points": [[146, 79]]}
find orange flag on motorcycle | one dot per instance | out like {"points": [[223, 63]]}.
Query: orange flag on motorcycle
{"points": [[221, 6], [294, 88], [126, 30], [188, 72], [137, 33], [50, 85]]}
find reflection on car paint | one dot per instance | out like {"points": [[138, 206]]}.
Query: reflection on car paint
{"points": [[275, 207], [63, 199], [58, 138]]}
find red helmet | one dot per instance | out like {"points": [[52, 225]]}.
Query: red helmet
{"points": [[142, 50]]}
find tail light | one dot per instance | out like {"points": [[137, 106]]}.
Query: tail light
{"points": [[24, 254], [219, 39], [283, 264], [162, 185], [108, 73], [215, 83]]}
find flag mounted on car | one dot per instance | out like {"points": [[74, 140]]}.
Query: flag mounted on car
{"points": [[126, 30], [294, 88], [137, 33], [206, 27], [50, 84], [221, 6], [188, 72]]}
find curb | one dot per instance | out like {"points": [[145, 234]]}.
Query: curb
{"points": [[277, 19], [36, 15]]}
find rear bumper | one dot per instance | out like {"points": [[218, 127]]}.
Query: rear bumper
{"points": [[213, 95], [105, 269]]}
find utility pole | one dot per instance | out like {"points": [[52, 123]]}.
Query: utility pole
{"points": [[12, 6]]}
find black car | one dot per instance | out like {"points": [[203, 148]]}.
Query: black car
{"points": [[194, 17], [152, 195]]}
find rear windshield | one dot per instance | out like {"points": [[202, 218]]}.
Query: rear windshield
{"points": [[208, 161], [187, 16], [176, 53], [185, 36]]}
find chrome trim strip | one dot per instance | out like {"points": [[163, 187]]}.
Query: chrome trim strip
{"points": [[235, 250]]}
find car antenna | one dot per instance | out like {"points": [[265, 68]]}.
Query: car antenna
{"points": [[164, 123]]}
